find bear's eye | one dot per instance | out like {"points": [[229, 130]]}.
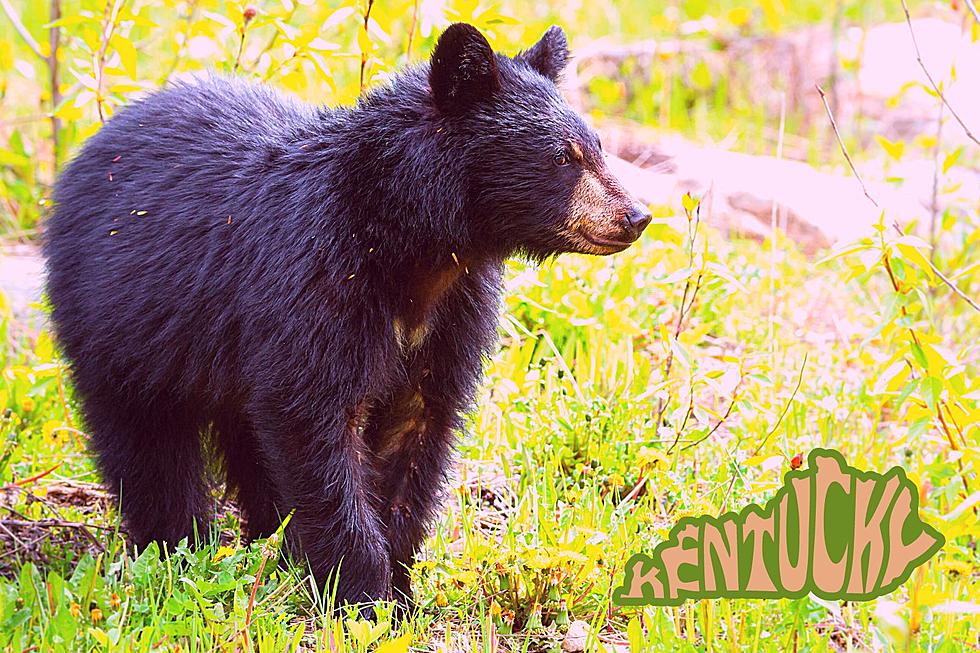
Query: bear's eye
{"points": [[562, 158]]}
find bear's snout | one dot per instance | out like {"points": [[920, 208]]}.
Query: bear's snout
{"points": [[637, 219]]}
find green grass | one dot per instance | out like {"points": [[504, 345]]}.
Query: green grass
{"points": [[627, 392], [563, 474]]}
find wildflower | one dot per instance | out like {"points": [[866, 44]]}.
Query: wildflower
{"points": [[96, 615], [75, 610], [441, 599], [27, 405], [956, 569], [114, 601], [651, 457]]}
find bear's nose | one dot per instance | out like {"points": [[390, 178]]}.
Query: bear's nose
{"points": [[638, 219]]}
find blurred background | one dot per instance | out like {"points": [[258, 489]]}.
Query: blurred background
{"points": [[811, 279]]}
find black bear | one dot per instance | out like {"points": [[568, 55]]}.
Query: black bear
{"points": [[308, 293]]}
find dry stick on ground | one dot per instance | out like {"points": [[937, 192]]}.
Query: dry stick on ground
{"points": [[36, 477], [54, 523], [58, 519], [840, 141], [932, 82]]}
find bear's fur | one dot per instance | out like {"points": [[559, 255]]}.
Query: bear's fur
{"points": [[310, 292]]}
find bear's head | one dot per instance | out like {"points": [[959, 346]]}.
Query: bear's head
{"points": [[535, 172]]}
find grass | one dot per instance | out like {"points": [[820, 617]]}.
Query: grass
{"points": [[563, 474], [627, 391]]}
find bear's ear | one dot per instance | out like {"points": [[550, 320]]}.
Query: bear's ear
{"points": [[463, 70], [549, 55]]}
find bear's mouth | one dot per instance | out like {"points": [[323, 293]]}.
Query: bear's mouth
{"points": [[613, 245]]}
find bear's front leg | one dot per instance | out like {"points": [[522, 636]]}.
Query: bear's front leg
{"points": [[317, 460], [411, 435], [412, 430]]}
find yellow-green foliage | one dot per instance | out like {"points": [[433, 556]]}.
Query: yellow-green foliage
{"points": [[628, 392]]}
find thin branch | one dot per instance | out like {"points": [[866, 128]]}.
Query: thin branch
{"points": [[946, 280], [59, 518], [112, 9], [840, 141], [241, 48], [53, 523], [21, 30], [364, 55], [694, 222], [779, 421], [935, 86], [247, 15], [54, 80], [411, 31], [723, 419]]}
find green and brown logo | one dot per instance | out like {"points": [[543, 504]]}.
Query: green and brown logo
{"points": [[831, 529]]}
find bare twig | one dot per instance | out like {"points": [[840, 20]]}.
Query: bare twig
{"points": [[13, 537], [946, 280], [59, 518], [799, 382], [20, 29], [54, 80], [53, 523], [109, 18], [241, 48], [932, 82], [694, 222], [247, 15], [411, 30], [723, 419], [840, 141], [364, 55]]}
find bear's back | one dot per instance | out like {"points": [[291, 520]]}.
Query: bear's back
{"points": [[169, 220]]}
